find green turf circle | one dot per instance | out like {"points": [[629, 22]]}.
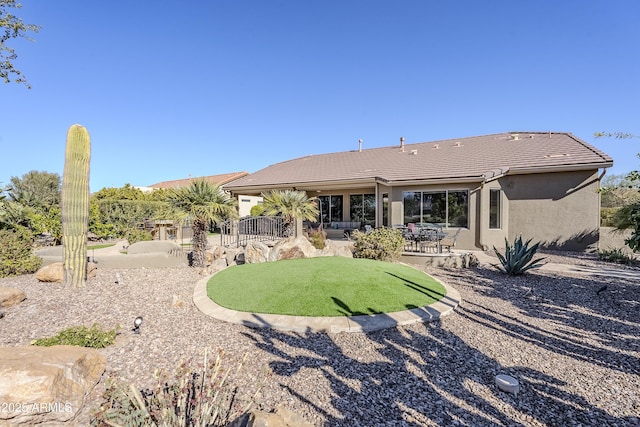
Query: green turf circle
{"points": [[324, 286]]}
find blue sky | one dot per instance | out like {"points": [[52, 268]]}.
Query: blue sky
{"points": [[170, 90]]}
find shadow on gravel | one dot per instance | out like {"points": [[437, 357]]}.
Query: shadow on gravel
{"points": [[573, 308], [415, 376]]}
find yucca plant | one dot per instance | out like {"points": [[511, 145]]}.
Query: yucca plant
{"points": [[518, 258]]}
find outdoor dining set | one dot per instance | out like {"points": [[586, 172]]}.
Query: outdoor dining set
{"points": [[427, 237]]}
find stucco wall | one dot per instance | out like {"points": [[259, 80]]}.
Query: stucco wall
{"points": [[561, 210]]}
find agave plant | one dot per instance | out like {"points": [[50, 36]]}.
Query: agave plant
{"points": [[518, 258]]}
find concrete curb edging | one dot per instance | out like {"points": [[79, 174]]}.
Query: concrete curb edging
{"points": [[337, 324]]}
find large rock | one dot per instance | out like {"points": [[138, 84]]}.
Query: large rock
{"points": [[46, 385], [291, 248], [55, 272], [51, 273], [256, 252], [332, 248], [231, 255], [11, 296]]}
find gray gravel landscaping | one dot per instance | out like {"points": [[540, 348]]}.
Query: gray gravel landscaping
{"points": [[575, 352]]}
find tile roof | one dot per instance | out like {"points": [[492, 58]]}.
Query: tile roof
{"points": [[478, 157], [221, 179]]}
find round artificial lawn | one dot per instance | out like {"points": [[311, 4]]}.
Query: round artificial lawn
{"points": [[324, 286]]}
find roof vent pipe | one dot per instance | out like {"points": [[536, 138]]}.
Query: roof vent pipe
{"points": [[360, 145], [402, 143]]}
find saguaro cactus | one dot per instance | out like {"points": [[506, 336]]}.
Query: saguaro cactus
{"points": [[75, 206]]}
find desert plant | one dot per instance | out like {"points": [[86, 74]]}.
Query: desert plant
{"points": [[256, 210], [75, 206], [135, 235], [318, 237], [16, 253], [203, 204], [615, 255], [291, 205], [81, 336], [189, 397], [383, 244], [517, 258]]}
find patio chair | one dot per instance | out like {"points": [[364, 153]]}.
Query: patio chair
{"points": [[449, 241], [427, 240]]}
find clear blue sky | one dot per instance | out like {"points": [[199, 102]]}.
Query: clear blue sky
{"points": [[173, 89]]}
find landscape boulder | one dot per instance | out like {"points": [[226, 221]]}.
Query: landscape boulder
{"points": [[46, 385], [332, 248], [292, 248], [11, 296], [54, 272], [256, 252]]}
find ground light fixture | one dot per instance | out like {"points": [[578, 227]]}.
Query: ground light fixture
{"points": [[136, 325]]}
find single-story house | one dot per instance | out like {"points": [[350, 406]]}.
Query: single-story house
{"points": [[540, 185]]}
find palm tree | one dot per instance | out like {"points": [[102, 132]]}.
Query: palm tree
{"points": [[291, 205], [204, 204]]}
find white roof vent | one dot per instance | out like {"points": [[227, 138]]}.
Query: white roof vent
{"points": [[414, 152], [515, 137]]}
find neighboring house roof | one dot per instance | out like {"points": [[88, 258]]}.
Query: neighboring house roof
{"points": [[221, 179], [475, 158]]}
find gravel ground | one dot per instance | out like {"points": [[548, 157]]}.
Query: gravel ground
{"points": [[576, 353]]}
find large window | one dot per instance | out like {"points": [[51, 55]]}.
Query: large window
{"points": [[330, 208], [495, 210], [448, 208], [362, 207]]}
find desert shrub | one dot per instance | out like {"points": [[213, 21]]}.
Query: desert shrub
{"points": [[615, 255], [81, 336], [256, 210], [317, 238], [203, 395], [608, 217], [16, 252], [517, 258], [134, 235], [383, 244]]}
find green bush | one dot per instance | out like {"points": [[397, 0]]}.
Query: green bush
{"points": [[615, 255], [317, 238], [256, 210], [518, 258], [81, 336], [608, 217], [188, 397], [135, 235], [382, 244], [16, 252]]}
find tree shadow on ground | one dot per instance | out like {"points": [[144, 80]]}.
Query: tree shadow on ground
{"points": [[413, 376], [571, 309]]}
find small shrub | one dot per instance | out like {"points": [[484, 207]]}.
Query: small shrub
{"points": [[16, 253], [203, 397], [256, 210], [608, 217], [81, 336], [518, 258], [318, 238], [615, 255], [382, 244], [134, 235]]}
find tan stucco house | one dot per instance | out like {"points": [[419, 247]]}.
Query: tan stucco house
{"points": [[538, 185]]}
